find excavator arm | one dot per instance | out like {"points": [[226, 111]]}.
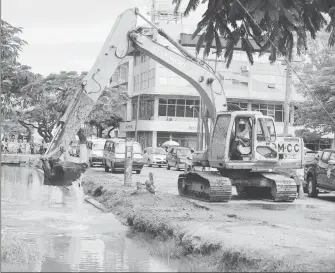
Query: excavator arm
{"points": [[124, 39]]}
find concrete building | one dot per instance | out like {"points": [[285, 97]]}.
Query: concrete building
{"points": [[169, 105]]}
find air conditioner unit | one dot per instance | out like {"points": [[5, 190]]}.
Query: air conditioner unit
{"points": [[244, 68]]}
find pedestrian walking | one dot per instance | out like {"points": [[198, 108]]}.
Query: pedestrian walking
{"points": [[6, 146], [32, 148]]}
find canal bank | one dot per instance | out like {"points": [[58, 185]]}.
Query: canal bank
{"points": [[213, 237]]}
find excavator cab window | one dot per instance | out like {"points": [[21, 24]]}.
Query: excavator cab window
{"points": [[265, 130], [241, 138]]}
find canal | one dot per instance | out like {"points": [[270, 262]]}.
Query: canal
{"points": [[69, 234]]}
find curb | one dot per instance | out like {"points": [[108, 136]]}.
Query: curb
{"points": [[95, 203]]}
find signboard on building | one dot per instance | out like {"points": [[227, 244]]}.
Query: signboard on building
{"points": [[160, 126]]}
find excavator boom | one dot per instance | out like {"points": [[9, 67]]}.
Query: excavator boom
{"points": [[123, 39]]}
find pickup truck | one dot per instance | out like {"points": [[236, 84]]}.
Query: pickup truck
{"points": [[320, 173]]}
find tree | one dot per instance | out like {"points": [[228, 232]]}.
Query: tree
{"points": [[318, 73], [45, 101], [13, 75], [106, 111], [12, 127], [284, 22]]}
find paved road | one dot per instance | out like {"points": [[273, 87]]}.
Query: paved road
{"points": [[166, 181]]}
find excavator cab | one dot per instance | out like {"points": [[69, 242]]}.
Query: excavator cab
{"points": [[243, 136]]}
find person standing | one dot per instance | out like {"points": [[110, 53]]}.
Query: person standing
{"points": [[6, 146]]}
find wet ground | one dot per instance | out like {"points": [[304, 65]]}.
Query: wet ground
{"points": [[70, 234]]}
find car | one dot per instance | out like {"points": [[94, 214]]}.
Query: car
{"points": [[114, 155], [154, 156], [320, 173], [178, 157], [312, 156], [95, 148]]}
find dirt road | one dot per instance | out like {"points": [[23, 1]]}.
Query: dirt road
{"points": [[300, 233]]}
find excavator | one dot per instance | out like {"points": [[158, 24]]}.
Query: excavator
{"points": [[250, 163]]}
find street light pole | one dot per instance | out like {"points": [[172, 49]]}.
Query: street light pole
{"points": [[137, 114], [287, 98]]}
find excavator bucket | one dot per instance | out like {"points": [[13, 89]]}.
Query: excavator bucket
{"points": [[62, 173]]}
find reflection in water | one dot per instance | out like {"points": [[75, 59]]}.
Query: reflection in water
{"points": [[72, 235]]}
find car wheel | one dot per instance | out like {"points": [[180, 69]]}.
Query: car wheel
{"points": [[106, 167], [167, 166], [138, 171], [149, 165], [311, 187], [159, 166], [113, 168]]}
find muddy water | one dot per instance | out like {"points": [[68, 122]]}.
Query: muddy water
{"points": [[69, 234]]}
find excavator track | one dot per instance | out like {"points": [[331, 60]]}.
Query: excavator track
{"points": [[205, 186], [279, 187], [284, 189]]}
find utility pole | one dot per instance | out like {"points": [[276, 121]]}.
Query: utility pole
{"points": [[198, 131], [201, 136], [137, 114], [128, 163], [287, 98]]}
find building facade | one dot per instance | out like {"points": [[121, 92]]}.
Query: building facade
{"points": [[168, 106]]}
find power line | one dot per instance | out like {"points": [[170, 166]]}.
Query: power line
{"points": [[288, 63]]}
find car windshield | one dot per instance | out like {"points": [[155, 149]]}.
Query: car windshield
{"points": [[158, 151], [98, 146], [183, 151], [121, 147]]}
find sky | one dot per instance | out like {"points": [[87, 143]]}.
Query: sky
{"points": [[64, 34]]}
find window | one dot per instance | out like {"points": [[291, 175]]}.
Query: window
{"points": [[162, 107], [178, 108], [275, 111], [180, 111], [137, 83], [137, 58], [171, 110], [144, 80], [123, 73], [242, 105], [332, 156], [152, 75], [265, 129], [146, 108]]}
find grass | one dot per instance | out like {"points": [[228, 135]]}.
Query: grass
{"points": [[162, 240], [16, 250]]}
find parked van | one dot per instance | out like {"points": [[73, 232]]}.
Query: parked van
{"points": [[114, 155], [95, 148], [154, 156]]}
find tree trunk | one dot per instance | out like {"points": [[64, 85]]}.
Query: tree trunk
{"points": [[109, 131], [99, 131], [82, 146]]}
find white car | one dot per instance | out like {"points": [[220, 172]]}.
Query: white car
{"points": [[154, 156]]}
